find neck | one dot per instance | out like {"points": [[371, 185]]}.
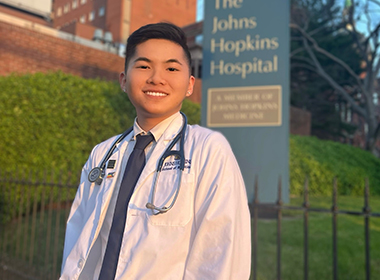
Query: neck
{"points": [[147, 123]]}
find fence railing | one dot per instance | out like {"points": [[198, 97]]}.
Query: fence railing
{"points": [[34, 208], [279, 207]]}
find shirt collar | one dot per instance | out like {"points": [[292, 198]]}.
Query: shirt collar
{"points": [[157, 131]]}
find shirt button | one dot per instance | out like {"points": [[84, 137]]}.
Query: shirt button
{"points": [[80, 263]]}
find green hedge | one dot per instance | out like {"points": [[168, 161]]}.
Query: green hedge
{"points": [[321, 161], [52, 121]]}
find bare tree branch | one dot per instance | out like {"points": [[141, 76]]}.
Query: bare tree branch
{"points": [[304, 59], [366, 13], [334, 84], [326, 53], [375, 2], [306, 66], [297, 51], [376, 136], [377, 67], [362, 46]]}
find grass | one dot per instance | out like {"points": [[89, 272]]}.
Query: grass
{"points": [[42, 257], [351, 242]]}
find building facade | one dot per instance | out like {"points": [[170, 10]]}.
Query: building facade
{"points": [[118, 17], [36, 11]]}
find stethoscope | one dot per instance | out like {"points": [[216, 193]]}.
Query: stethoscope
{"points": [[97, 174]]}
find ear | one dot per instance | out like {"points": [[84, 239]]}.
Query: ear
{"points": [[123, 81], [190, 87]]}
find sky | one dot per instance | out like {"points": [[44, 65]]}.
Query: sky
{"points": [[200, 8]]}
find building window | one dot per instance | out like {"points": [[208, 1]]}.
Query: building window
{"points": [[91, 16], [101, 11], [59, 12], [83, 2], [66, 8], [82, 19], [349, 115], [376, 98], [366, 128], [74, 5]]}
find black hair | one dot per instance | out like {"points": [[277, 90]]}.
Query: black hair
{"points": [[162, 30]]}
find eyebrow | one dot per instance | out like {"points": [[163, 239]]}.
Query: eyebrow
{"points": [[172, 60]]}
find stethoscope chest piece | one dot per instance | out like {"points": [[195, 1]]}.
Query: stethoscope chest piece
{"points": [[96, 175]]}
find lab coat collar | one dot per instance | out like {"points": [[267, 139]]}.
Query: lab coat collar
{"points": [[156, 131], [159, 131], [169, 134]]}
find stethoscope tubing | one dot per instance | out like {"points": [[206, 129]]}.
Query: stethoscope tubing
{"points": [[96, 174], [169, 152]]}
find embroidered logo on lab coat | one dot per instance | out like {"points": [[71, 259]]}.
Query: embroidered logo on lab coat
{"points": [[173, 165]]}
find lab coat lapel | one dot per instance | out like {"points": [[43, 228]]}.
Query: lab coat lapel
{"points": [[109, 184], [108, 187], [168, 135]]}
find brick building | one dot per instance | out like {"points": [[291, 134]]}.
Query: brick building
{"points": [[34, 11], [118, 17], [114, 20], [28, 47]]}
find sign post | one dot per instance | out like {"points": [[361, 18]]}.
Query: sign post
{"points": [[245, 85]]}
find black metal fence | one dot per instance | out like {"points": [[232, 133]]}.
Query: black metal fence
{"points": [[278, 209], [35, 207]]}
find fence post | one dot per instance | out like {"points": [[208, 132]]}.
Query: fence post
{"points": [[255, 218], [27, 214], [49, 223], [4, 194], [279, 220], [335, 239], [34, 219], [41, 222], [57, 225], [367, 211], [306, 206], [20, 209]]}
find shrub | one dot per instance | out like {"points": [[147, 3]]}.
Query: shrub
{"points": [[52, 121], [322, 160]]}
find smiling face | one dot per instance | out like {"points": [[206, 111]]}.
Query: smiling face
{"points": [[157, 80]]}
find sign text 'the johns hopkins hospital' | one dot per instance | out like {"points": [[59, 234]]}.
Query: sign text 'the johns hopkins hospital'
{"points": [[252, 43]]}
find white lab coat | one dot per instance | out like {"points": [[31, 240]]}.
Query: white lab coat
{"points": [[206, 235]]}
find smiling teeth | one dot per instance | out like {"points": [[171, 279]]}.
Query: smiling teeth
{"points": [[156, 93]]}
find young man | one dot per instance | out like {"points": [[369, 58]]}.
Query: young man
{"points": [[206, 233]]}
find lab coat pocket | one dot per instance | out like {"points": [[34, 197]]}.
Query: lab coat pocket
{"points": [[182, 210]]}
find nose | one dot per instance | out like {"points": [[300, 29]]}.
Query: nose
{"points": [[156, 77]]}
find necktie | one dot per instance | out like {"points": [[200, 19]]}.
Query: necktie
{"points": [[135, 165]]}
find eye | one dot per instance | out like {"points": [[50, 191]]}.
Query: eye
{"points": [[142, 66], [172, 69]]}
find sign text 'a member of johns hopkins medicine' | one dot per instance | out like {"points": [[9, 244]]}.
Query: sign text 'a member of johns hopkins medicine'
{"points": [[249, 42], [244, 106]]}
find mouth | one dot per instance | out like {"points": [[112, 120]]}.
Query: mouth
{"points": [[155, 93]]}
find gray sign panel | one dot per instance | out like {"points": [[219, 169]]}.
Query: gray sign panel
{"points": [[244, 106], [245, 85]]}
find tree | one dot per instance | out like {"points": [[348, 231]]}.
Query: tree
{"points": [[310, 19], [309, 90]]}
